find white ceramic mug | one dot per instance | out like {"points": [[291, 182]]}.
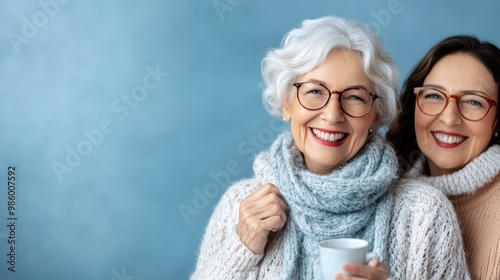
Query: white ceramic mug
{"points": [[334, 253]]}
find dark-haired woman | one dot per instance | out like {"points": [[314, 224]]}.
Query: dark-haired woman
{"points": [[448, 136]]}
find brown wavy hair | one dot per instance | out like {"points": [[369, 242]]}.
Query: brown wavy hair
{"points": [[402, 133]]}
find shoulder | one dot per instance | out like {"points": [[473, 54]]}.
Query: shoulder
{"points": [[225, 216], [413, 190], [232, 197], [241, 189], [416, 199], [425, 235]]}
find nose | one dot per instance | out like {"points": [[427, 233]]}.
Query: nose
{"points": [[332, 112], [450, 115]]}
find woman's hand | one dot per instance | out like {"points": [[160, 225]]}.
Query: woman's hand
{"points": [[374, 271], [260, 213]]}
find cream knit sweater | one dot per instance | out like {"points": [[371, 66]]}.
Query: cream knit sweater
{"points": [[425, 241]]}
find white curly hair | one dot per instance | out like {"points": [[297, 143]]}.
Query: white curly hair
{"points": [[306, 47]]}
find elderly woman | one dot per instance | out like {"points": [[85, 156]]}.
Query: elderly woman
{"points": [[330, 176], [451, 108]]}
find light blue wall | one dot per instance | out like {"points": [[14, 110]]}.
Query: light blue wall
{"points": [[66, 72]]}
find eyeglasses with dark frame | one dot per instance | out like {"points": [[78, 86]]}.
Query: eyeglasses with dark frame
{"points": [[354, 101], [432, 102]]}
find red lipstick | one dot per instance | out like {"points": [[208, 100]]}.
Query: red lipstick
{"points": [[336, 143]]}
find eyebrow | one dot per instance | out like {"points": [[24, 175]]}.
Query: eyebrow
{"points": [[472, 91], [316, 81], [325, 84]]}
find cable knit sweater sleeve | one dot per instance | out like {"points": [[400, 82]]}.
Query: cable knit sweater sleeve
{"points": [[222, 254], [425, 239]]}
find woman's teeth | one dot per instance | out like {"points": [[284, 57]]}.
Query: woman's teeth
{"points": [[448, 139], [328, 136]]}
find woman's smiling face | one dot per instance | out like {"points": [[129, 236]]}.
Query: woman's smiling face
{"points": [[448, 140], [328, 137]]}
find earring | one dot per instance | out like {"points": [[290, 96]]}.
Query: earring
{"points": [[496, 134], [284, 119], [370, 130]]}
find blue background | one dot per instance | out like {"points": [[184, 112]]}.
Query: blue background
{"points": [[114, 210]]}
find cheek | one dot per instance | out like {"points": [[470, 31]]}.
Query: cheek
{"points": [[422, 123], [484, 130], [494, 125], [418, 127], [299, 131], [298, 125], [360, 129]]}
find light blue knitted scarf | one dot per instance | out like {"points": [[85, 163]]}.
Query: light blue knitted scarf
{"points": [[352, 201]]}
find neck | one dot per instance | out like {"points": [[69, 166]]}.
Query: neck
{"points": [[434, 170]]}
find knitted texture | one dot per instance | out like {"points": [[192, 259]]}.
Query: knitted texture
{"points": [[475, 193], [469, 179], [478, 216], [424, 238], [351, 201]]}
